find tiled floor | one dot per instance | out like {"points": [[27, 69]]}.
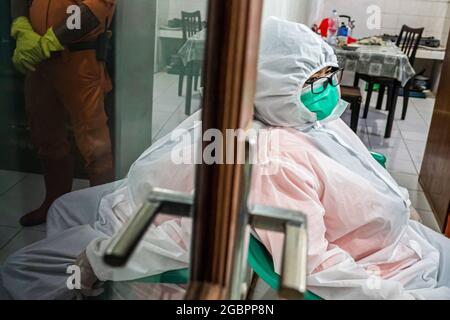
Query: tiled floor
{"points": [[168, 107], [21, 192]]}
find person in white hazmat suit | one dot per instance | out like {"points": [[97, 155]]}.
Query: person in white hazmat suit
{"points": [[362, 242]]}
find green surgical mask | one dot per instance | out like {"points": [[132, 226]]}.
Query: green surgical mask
{"points": [[322, 104]]}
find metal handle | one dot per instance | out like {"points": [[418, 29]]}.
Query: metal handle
{"points": [[125, 242], [293, 279], [295, 253], [160, 201]]}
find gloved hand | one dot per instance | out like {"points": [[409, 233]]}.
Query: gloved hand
{"points": [[90, 285], [50, 43], [28, 50], [31, 48]]}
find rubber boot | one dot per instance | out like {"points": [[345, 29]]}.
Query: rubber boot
{"points": [[58, 177]]}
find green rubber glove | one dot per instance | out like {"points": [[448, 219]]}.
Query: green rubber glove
{"points": [[27, 45], [31, 48], [50, 43]]}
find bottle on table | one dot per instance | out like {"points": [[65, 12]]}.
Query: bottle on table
{"points": [[333, 25]]}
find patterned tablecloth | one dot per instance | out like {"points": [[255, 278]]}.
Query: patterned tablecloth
{"points": [[381, 61], [194, 48]]}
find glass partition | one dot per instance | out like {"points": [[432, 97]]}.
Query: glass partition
{"points": [[172, 51], [89, 121]]}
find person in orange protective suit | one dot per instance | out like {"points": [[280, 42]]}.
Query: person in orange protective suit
{"points": [[65, 77]]}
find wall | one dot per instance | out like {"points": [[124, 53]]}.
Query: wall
{"points": [[170, 9], [293, 10], [176, 6], [431, 14], [446, 29]]}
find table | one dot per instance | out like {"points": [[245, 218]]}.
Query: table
{"points": [[194, 48], [431, 59], [174, 33], [379, 61]]}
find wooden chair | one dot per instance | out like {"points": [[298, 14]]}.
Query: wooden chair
{"points": [[191, 23], [353, 96], [408, 42]]}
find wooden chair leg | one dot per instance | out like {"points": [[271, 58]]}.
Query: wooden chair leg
{"points": [[389, 94], [368, 98], [392, 101], [381, 93], [387, 106], [196, 83], [356, 81], [406, 92], [180, 84], [197, 75], [188, 95], [356, 109]]}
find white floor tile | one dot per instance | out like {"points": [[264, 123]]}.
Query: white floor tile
{"points": [[415, 136], [31, 188], [6, 234], [378, 128], [381, 142], [176, 119], [163, 82], [427, 119], [419, 200], [159, 120], [9, 179], [408, 181], [426, 115], [365, 139], [425, 104], [418, 161], [23, 239], [394, 154], [410, 121], [429, 220], [413, 115], [420, 127], [401, 166], [417, 147], [167, 103], [14, 207]]}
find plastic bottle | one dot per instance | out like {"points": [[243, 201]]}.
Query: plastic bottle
{"points": [[333, 25], [342, 35]]}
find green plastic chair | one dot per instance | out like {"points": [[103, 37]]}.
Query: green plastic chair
{"points": [[259, 259], [382, 160]]}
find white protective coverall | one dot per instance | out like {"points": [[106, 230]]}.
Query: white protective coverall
{"points": [[362, 244]]}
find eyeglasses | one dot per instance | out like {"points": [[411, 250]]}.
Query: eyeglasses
{"points": [[320, 84]]}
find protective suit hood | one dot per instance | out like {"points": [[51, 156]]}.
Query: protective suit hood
{"points": [[290, 54]]}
